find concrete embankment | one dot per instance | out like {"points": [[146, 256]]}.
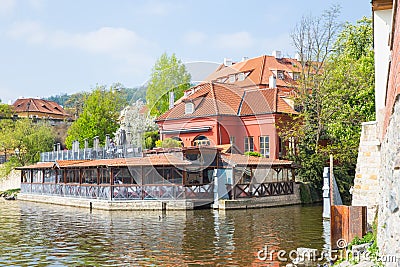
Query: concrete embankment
{"points": [[11, 181]]}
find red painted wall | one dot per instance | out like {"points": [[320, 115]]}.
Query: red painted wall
{"points": [[222, 127]]}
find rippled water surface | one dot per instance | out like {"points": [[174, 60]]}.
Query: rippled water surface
{"points": [[33, 234]]}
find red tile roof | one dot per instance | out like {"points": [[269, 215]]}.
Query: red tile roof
{"points": [[243, 160], [40, 165], [38, 105], [258, 70], [211, 99]]}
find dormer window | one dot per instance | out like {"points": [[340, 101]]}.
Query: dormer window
{"points": [[296, 76], [241, 76], [232, 78], [189, 108], [280, 75]]}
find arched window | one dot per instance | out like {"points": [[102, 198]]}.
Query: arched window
{"points": [[201, 140]]}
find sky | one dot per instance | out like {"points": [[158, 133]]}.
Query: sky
{"points": [[53, 47]]}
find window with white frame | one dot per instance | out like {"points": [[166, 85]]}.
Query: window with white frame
{"points": [[189, 108], [264, 146], [248, 143]]}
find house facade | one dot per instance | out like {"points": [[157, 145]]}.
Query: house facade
{"points": [[242, 103]]}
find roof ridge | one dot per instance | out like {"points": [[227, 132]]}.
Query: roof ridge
{"points": [[212, 89], [262, 68], [241, 103], [33, 102]]}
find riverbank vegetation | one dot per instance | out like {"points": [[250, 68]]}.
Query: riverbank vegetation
{"points": [[99, 116], [335, 95], [11, 193], [21, 141]]}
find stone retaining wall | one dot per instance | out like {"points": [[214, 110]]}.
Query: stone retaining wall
{"points": [[366, 186], [389, 194]]}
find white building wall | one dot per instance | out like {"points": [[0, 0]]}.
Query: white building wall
{"points": [[382, 29]]}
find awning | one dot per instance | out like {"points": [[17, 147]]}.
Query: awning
{"points": [[190, 130]]}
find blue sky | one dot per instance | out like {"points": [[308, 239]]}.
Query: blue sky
{"points": [[65, 46]]}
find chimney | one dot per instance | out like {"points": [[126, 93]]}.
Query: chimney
{"points": [[245, 58], [171, 99], [277, 54], [297, 57], [272, 82], [227, 62]]}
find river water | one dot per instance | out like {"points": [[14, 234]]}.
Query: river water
{"points": [[33, 234]]}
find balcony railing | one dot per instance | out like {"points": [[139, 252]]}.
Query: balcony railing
{"points": [[263, 189], [120, 192], [123, 151]]}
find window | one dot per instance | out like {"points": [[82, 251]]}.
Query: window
{"points": [[189, 108], [248, 143], [296, 76], [264, 146], [241, 76], [232, 78], [280, 75], [201, 140]]}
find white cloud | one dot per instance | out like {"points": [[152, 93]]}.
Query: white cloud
{"points": [[133, 52], [31, 31], [115, 42], [194, 38], [237, 40], [7, 6]]}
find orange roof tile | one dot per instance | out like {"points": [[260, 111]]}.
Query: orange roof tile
{"points": [[38, 105], [39, 165], [243, 160], [209, 99], [257, 71]]}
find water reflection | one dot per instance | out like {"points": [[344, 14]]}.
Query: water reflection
{"points": [[47, 235]]}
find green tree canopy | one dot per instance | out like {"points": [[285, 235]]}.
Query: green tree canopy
{"points": [[99, 116], [24, 140], [342, 97], [349, 97], [168, 74]]}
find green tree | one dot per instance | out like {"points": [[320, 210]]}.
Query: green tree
{"points": [[340, 98], [23, 140], [349, 97], [168, 143], [168, 74], [150, 139], [313, 39], [99, 117]]}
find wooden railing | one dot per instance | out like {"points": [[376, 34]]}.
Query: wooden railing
{"points": [[120, 192], [263, 189]]}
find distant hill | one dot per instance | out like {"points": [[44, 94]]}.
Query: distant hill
{"points": [[71, 101]]}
